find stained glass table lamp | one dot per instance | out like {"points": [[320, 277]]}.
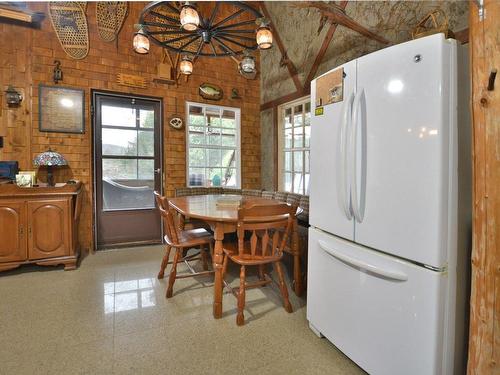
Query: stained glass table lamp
{"points": [[50, 159]]}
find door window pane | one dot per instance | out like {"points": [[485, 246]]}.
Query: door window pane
{"points": [[119, 142], [118, 116], [119, 169], [288, 161], [146, 119], [145, 170], [146, 146]]}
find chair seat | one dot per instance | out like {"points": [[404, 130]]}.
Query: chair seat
{"points": [[191, 238], [246, 259]]}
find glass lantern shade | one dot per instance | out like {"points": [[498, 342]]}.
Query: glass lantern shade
{"points": [[189, 18], [141, 42], [186, 66], [248, 64], [264, 37]]}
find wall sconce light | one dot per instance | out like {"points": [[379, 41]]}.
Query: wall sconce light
{"points": [[58, 74], [186, 65], [141, 41], [13, 97], [247, 64]]}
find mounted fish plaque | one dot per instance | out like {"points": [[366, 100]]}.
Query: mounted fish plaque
{"points": [[210, 91]]}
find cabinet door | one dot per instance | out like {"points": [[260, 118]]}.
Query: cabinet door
{"points": [[12, 231], [48, 231]]}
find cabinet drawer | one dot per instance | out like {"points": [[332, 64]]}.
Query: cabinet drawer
{"points": [[48, 228], [12, 231]]}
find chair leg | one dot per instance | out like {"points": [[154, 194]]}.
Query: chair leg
{"points": [[262, 272], [204, 257], [240, 318], [164, 262], [283, 288], [173, 272], [224, 267]]}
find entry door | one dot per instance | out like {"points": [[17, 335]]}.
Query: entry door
{"points": [[127, 160]]}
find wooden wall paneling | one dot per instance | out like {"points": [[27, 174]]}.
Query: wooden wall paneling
{"points": [[29, 59], [484, 340]]}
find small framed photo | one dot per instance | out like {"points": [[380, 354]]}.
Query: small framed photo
{"points": [[61, 109], [24, 180]]}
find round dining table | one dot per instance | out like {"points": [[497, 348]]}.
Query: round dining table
{"points": [[220, 212]]}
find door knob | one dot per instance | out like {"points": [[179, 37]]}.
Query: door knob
{"points": [[157, 170]]}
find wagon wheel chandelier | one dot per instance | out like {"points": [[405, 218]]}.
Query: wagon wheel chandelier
{"points": [[232, 30]]}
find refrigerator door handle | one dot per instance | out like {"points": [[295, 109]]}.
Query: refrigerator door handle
{"points": [[353, 155], [373, 268], [343, 186]]}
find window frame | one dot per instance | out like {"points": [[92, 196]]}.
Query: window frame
{"points": [[281, 144], [237, 112]]}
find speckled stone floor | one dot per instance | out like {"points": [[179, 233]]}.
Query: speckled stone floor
{"points": [[110, 316]]}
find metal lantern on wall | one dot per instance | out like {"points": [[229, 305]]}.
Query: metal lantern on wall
{"points": [[141, 42], [264, 35], [186, 65], [189, 18], [247, 64], [12, 96]]}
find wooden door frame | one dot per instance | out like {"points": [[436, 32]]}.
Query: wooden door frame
{"points": [[93, 93], [484, 336]]}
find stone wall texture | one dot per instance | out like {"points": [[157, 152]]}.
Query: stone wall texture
{"points": [[298, 29], [27, 60]]}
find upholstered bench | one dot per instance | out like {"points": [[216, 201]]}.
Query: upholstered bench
{"points": [[300, 259]]}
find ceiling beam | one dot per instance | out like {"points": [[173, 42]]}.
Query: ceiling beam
{"points": [[289, 64], [335, 14], [285, 99], [323, 49]]}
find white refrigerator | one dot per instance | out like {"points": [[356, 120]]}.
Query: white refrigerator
{"points": [[390, 210]]}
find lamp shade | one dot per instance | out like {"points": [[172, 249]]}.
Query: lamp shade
{"points": [[49, 158]]}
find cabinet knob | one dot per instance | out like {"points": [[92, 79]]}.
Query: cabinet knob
{"points": [[21, 230]]}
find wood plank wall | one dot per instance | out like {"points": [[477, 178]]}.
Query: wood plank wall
{"points": [[484, 342], [27, 59]]}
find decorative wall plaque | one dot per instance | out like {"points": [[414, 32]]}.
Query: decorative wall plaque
{"points": [[131, 80], [61, 109]]}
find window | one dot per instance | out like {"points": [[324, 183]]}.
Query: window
{"points": [[213, 146], [293, 146]]}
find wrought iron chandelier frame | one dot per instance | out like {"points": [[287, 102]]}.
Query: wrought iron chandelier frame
{"points": [[224, 38]]}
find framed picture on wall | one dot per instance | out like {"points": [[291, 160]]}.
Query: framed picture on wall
{"points": [[61, 109]]}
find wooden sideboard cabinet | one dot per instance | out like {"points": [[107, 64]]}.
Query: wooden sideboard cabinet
{"points": [[39, 225]]}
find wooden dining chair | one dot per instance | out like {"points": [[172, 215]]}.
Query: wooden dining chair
{"points": [[268, 228], [181, 241]]}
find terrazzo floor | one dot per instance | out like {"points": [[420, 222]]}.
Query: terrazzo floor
{"points": [[110, 316]]}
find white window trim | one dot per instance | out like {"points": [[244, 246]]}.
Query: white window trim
{"points": [[281, 137], [237, 112]]}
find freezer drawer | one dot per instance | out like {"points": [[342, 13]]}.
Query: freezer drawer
{"points": [[387, 315]]}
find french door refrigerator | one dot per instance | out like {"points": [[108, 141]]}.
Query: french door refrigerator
{"points": [[390, 209]]}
